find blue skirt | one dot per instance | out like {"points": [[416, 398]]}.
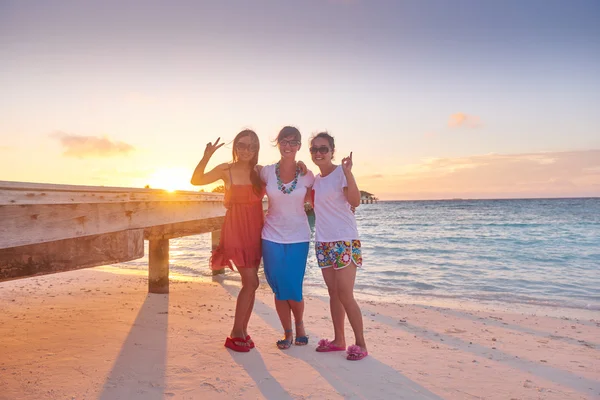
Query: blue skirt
{"points": [[285, 264]]}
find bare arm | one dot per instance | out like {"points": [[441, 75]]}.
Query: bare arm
{"points": [[351, 191], [199, 177]]}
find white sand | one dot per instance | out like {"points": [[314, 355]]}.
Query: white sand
{"points": [[96, 333]]}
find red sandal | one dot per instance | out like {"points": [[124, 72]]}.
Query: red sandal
{"points": [[232, 343]]}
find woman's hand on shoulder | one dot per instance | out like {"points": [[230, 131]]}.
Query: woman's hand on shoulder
{"points": [[259, 170], [303, 167]]}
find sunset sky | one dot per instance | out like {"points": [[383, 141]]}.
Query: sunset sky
{"points": [[436, 99]]}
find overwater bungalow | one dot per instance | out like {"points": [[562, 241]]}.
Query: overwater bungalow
{"points": [[367, 198]]}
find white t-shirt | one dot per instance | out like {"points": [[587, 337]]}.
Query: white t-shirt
{"points": [[334, 219], [286, 220]]}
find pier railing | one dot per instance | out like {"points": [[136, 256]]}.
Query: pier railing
{"points": [[48, 228]]}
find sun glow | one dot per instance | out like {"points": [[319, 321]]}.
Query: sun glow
{"points": [[171, 179]]}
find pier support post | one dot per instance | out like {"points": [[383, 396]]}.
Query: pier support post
{"points": [[158, 269], [215, 237]]}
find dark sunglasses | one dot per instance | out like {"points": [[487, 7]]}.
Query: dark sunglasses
{"points": [[292, 143], [322, 150], [249, 147]]}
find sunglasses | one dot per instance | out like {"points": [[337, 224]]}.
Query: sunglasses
{"points": [[322, 150], [246, 147], [292, 143]]}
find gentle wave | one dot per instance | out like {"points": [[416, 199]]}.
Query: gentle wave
{"points": [[541, 252]]}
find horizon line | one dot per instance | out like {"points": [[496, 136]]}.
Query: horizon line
{"points": [[496, 198]]}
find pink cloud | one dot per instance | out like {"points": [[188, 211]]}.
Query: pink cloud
{"points": [[546, 174], [91, 146], [462, 120]]}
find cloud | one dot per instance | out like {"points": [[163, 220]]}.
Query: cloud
{"points": [[544, 174], [462, 120], [375, 176], [91, 146]]}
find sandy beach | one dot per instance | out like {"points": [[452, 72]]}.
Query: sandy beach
{"points": [[97, 334]]}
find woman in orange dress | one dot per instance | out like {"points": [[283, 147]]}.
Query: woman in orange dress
{"points": [[240, 242]]}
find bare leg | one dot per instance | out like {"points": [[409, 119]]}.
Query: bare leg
{"points": [[249, 312], [285, 316], [345, 287], [245, 297], [338, 314], [298, 311]]}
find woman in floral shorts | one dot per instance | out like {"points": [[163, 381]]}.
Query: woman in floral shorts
{"points": [[337, 244]]}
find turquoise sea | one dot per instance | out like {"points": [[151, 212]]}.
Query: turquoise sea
{"points": [[540, 252]]}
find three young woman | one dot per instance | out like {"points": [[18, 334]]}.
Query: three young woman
{"points": [[284, 238]]}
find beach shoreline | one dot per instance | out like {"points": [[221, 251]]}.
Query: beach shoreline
{"points": [[97, 333]]}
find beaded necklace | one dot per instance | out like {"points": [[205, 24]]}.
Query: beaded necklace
{"points": [[280, 186]]}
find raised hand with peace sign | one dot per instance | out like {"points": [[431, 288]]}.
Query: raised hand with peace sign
{"points": [[201, 178], [211, 148]]}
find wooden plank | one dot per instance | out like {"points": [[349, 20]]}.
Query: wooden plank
{"points": [[22, 225], [71, 254], [12, 193], [170, 231]]}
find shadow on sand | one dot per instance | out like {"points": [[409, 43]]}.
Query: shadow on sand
{"points": [[255, 367], [547, 372], [367, 379], [139, 370]]}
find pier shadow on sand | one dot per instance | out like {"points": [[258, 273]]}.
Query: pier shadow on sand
{"points": [[139, 370]]}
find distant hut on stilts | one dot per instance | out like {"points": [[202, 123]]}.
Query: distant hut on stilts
{"points": [[367, 198]]}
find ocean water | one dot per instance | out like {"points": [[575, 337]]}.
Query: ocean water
{"points": [[543, 252]]}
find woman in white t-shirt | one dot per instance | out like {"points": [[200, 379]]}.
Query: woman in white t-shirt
{"points": [[337, 245], [286, 235]]}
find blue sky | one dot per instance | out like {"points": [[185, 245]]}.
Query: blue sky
{"points": [[402, 84]]}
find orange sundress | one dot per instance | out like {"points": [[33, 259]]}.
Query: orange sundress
{"points": [[240, 241]]}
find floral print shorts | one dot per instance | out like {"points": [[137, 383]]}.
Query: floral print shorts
{"points": [[338, 254]]}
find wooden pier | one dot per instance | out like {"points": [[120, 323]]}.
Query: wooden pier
{"points": [[47, 228]]}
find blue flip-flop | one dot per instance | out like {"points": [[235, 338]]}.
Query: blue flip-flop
{"points": [[285, 344], [301, 340]]}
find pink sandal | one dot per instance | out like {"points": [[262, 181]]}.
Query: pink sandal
{"points": [[326, 346], [355, 353]]}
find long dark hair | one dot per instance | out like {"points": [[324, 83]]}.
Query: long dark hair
{"points": [[257, 183]]}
